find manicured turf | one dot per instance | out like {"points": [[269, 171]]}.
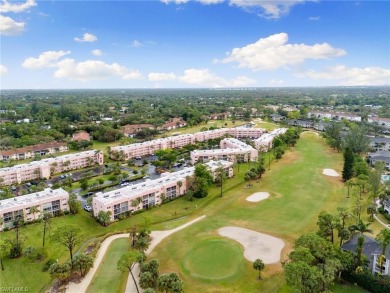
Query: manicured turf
{"points": [[108, 278], [215, 259], [298, 193]]}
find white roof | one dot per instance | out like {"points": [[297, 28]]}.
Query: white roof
{"points": [[30, 199]]}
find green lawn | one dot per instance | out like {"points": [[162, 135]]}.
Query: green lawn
{"points": [[298, 193], [215, 259], [107, 277]]}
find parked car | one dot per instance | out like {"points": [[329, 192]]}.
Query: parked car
{"points": [[62, 176], [88, 208], [146, 176]]}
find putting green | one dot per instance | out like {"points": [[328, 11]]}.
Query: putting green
{"points": [[214, 259]]}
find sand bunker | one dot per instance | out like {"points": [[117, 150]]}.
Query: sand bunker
{"points": [[330, 172], [258, 196], [256, 245]]}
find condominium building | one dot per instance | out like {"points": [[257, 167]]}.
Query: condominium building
{"points": [[211, 134], [43, 169], [246, 132], [151, 192], [264, 142], [31, 151], [149, 147], [20, 208], [231, 150], [146, 148], [379, 121]]}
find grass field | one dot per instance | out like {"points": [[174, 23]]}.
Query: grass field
{"points": [[215, 259], [107, 277], [298, 193]]}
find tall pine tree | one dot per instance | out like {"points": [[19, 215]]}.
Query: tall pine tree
{"points": [[348, 164]]}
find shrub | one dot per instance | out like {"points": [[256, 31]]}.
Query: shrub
{"points": [[48, 264], [36, 254], [135, 172], [16, 250], [368, 281], [66, 212]]}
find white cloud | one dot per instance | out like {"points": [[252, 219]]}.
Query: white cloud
{"points": [[97, 52], [93, 69], [273, 52], [44, 60], [314, 18], [87, 37], [274, 82], [10, 27], [175, 1], [209, 2], [203, 77], [3, 69], [268, 8], [351, 75], [16, 8], [160, 76], [136, 44]]}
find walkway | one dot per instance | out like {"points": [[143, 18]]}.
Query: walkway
{"points": [[157, 237]]}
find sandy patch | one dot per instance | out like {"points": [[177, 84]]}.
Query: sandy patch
{"points": [[258, 196], [256, 245], [330, 172]]}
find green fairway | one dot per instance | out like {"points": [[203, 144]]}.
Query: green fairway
{"points": [[299, 191], [108, 278], [215, 259]]}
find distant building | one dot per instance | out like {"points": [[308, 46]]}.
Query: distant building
{"points": [[43, 169], [301, 123], [33, 150], [174, 123], [380, 156], [80, 136], [48, 201], [385, 122], [130, 130], [276, 117], [219, 116], [231, 150], [264, 142]]}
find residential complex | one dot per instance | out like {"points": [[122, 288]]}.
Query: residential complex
{"points": [[334, 116], [231, 150], [151, 192], [264, 142], [34, 150], [46, 201], [43, 169], [149, 147]]}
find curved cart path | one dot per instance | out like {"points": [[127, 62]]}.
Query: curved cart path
{"points": [[157, 237]]}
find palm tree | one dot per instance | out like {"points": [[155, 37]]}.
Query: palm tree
{"points": [[46, 219], [361, 228], [34, 210], [384, 239], [259, 266], [179, 184], [371, 210]]}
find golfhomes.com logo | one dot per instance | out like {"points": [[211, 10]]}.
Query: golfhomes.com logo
{"points": [[14, 289]]}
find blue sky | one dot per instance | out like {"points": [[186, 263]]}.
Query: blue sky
{"points": [[189, 44]]}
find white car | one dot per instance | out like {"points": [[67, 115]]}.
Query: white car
{"points": [[88, 208]]}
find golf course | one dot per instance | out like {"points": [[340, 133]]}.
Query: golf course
{"points": [[206, 260], [298, 193]]}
